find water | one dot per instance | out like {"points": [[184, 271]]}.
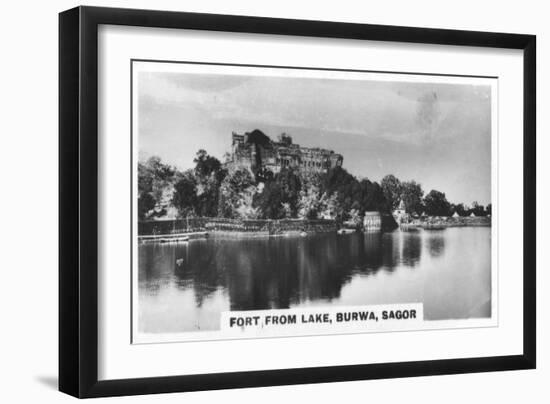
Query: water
{"points": [[184, 287]]}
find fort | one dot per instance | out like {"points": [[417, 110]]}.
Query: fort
{"points": [[255, 151]]}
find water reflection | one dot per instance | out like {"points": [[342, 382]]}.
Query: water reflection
{"points": [[185, 286], [436, 243]]}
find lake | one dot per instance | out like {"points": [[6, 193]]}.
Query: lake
{"points": [[184, 287]]}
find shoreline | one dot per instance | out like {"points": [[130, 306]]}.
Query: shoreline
{"points": [[428, 224], [443, 222]]}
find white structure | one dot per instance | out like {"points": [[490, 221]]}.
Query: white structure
{"points": [[372, 221], [399, 214], [456, 214]]}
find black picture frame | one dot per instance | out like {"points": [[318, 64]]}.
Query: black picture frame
{"points": [[78, 200]]}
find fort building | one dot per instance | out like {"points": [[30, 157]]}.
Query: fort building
{"points": [[255, 150]]}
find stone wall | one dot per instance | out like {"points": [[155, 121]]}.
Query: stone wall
{"points": [[173, 226], [447, 221], [223, 225]]}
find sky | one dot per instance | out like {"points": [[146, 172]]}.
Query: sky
{"points": [[438, 134]]}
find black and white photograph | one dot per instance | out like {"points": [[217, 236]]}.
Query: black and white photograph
{"points": [[277, 201]]}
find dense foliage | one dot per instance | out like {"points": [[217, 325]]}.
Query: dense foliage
{"points": [[212, 190], [154, 180]]}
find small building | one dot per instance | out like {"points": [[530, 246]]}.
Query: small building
{"points": [[372, 221], [455, 215], [400, 214], [472, 214]]}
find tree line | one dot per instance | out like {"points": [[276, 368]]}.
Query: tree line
{"points": [[211, 189], [434, 203]]}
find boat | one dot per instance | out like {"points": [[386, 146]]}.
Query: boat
{"points": [[346, 231], [181, 239], [172, 238], [409, 227], [168, 238]]}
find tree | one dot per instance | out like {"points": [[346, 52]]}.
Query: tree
{"points": [[459, 209], [146, 202], [412, 194], [160, 174], [349, 191], [314, 205], [208, 193], [355, 218], [308, 204], [205, 164], [436, 204], [155, 180], [488, 209], [264, 175], [231, 192], [477, 209], [329, 207], [208, 174], [315, 179], [287, 212], [291, 186], [145, 179], [391, 186], [270, 202], [373, 198], [280, 195], [339, 180], [185, 198], [244, 208]]}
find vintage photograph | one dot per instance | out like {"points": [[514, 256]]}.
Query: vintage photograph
{"points": [[282, 189]]}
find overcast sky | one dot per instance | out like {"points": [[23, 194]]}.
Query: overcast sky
{"points": [[437, 134]]}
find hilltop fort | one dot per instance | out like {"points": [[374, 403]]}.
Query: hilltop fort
{"points": [[255, 150]]}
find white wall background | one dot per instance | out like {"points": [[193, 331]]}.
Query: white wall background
{"points": [[28, 199]]}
